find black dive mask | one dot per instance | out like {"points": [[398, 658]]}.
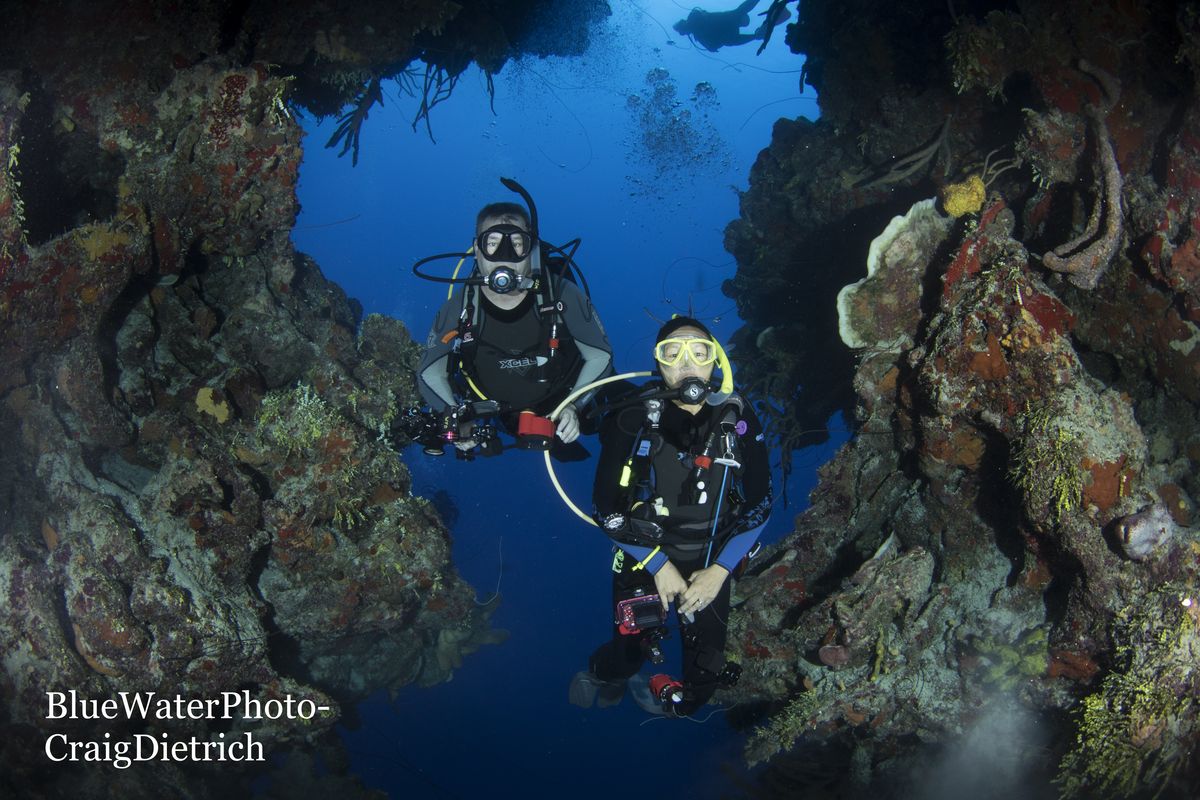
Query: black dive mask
{"points": [[505, 244]]}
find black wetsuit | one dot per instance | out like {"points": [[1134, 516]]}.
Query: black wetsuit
{"points": [[738, 529], [508, 361], [505, 361], [717, 29]]}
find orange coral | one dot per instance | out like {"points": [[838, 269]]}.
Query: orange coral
{"points": [[991, 364], [1107, 484]]}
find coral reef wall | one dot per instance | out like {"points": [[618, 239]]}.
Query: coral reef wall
{"points": [[1012, 529], [200, 493]]}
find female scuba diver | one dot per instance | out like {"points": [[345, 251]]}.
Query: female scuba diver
{"points": [[683, 487]]}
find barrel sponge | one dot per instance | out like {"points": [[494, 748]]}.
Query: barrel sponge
{"points": [[883, 309]]}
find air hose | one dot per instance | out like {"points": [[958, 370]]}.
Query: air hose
{"points": [[554, 418]]}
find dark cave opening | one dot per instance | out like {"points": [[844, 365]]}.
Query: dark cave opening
{"points": [[1000, 504], [66, 178]]}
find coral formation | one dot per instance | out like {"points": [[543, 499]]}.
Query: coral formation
{"points": [[964, 198], [1142, 533], [202, 495], [211, 403], [197, 422], [1047, 463], [1139, 729], [881, 311], [1026, 410], [1009, 664], [1085, 257]]}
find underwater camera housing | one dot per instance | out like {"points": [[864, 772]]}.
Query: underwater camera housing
{"points": [[639, 612], [433, 431], [428, 429], [486, 439]]}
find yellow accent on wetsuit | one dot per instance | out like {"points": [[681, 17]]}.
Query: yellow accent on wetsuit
{"points": [[642, 564]]}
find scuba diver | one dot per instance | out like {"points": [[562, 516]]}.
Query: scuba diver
{"points": [[517, 339], [717, 29], [683, 486], [776, 14]]}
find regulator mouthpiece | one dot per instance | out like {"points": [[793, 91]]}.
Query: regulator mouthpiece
{"points": [[693, 391], [503, 280]]}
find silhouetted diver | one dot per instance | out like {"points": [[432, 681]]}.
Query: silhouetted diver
{"points": [[717, 29]]}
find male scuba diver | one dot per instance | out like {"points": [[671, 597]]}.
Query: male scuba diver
{"points": [[683, 486], [517, 335], [717, 29]]}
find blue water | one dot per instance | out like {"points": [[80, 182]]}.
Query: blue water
{"points": [[652, 226]]}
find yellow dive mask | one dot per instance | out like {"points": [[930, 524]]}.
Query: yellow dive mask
{"points": [[672, 351]]}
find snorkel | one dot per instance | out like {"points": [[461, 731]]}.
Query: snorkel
{"points": [[535, 254], [726, 389]]}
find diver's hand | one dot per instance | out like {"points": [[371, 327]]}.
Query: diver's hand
{"points": [[669, 584], [568, 424], [704, 585], [465, 444]]}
